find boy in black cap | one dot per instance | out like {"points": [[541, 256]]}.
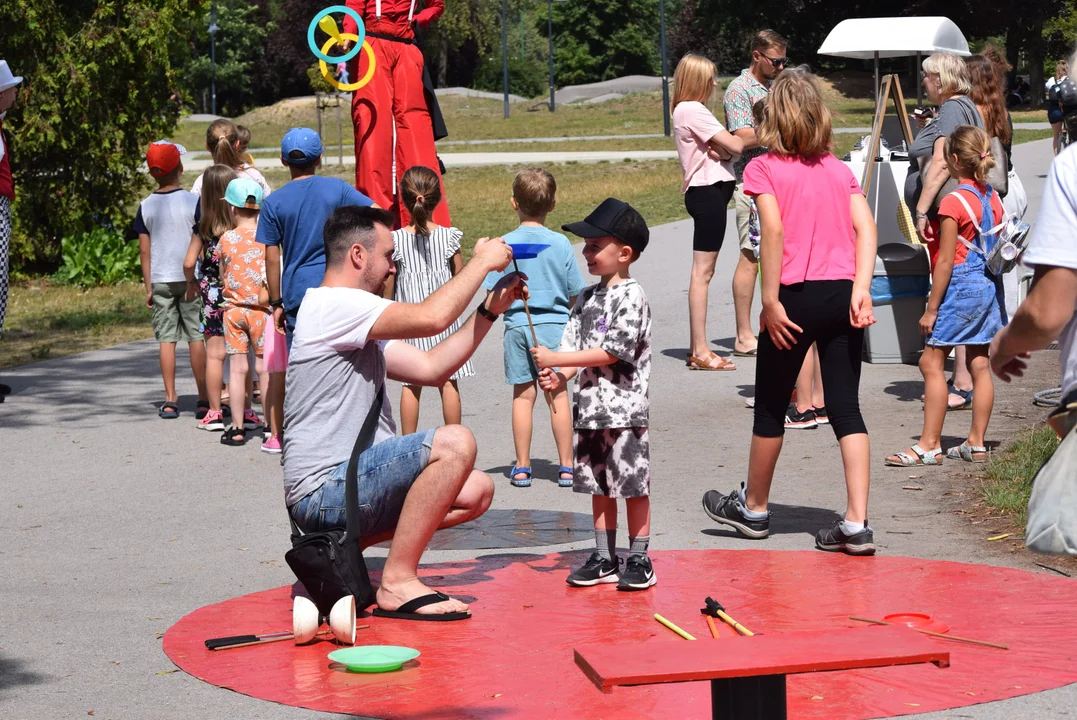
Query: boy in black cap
{"points": [[608, 340]]}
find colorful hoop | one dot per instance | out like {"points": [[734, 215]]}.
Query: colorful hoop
{"points": [[359, 39], [350, 87]]}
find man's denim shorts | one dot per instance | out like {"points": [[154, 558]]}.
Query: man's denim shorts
{"points": [[386, 473]]}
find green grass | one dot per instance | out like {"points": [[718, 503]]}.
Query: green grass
{"points": [[45, 320], [479, 196], [1007, 479]]}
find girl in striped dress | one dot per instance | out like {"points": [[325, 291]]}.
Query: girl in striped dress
{"points": [[426, 256]]}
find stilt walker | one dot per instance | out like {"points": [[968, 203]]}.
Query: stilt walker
{"points": [[393, 98]]}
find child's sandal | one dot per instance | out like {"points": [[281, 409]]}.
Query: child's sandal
{"points": [[967, 452], [234, 436], [563, 481], [523, 482], [919, 457]]}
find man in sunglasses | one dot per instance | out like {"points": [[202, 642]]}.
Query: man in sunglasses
{"points": [[768, 59]]}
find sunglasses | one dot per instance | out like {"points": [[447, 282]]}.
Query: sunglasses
{"points": [[776, 62]]}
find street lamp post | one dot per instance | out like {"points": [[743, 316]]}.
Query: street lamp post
{"points": [[213, 29], [505, 53], [665, 81], [549, 32]]}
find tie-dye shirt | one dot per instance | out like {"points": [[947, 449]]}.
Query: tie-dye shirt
{"points": [[243, 268], [618, 320]]}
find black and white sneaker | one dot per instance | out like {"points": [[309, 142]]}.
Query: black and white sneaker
{"points": [[834, 539], [596, 571], [820, 416], [729, 510], [638, 574], [795, 420]]}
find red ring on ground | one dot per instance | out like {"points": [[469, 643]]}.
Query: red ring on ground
{"points": [[514, 657]]}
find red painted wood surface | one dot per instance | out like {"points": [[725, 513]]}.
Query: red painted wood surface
{"points": [[778, 654], [514, 658]]}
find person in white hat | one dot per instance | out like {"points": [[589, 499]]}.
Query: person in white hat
{"points": [[8, 83]]}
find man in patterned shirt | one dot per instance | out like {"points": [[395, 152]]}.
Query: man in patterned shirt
{"points": [[752, 85]]}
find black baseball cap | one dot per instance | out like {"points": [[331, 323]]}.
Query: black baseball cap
{"points": [[617, 218]]}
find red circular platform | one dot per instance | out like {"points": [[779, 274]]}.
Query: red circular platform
{"points": [[514, 657]]}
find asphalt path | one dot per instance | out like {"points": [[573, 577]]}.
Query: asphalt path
{"points": [[117, 523]]}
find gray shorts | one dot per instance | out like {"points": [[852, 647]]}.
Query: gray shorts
{"points": [[744, 211], [385, 476], [615, 463]]}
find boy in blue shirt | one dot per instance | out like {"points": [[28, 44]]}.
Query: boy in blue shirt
{"points": [[291, 223], [554, 280]]}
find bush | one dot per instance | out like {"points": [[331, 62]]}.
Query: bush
{"points": [[527, 76], [100, 257]]}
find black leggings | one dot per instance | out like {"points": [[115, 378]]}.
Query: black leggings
{"points": [[709, 207], [821, 309]]}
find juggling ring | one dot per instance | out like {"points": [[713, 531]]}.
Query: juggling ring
{"points": [[347, 36], [349, 87]]}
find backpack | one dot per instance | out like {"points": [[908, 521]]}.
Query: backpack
{"points": [[1064, 94], [1001, 245]]}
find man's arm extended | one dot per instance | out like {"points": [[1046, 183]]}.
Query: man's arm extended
{"points": [[408, 364], [401, 321]]}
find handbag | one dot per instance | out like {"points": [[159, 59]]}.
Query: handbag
{"points": [[1010, 237], [1016, 200], [330, 563], [1052, 508]]}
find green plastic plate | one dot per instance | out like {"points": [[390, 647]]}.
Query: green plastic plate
{"points": [[373, 658]]}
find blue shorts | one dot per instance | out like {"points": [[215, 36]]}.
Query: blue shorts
{"points": [[386, 473], [519, 367]]}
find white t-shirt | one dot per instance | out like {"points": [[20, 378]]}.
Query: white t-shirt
{"points": [[244, 170], [1054, 243], [167, 218], [333, 379], [693, 126]]}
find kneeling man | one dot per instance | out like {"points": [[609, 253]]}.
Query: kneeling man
{"points": [[342, 350]]}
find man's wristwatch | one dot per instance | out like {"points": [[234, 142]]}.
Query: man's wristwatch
{"points": [[482, 310], [276, 303], [920, 215]]}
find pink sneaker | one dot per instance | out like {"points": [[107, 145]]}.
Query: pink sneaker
{"points": [[271, 446], [214, 420], [251, 421]]}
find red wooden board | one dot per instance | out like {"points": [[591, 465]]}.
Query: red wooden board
{"points": [[514, 658], [610, 665]]}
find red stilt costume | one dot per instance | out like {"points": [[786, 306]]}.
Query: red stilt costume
{"points": [[393, 96]]}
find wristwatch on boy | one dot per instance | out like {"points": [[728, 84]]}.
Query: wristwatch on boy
{"points": [[276, 303], [485, 312]]}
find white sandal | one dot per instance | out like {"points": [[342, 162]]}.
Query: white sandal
{"points": [[922, 457], [966, 451]]}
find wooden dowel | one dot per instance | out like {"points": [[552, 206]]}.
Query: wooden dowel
{"points": [[534, 339], [734, 624], [711, 626], [944, 636], [272, 638], [673, 627]]}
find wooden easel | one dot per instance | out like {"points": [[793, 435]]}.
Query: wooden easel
{"points": [[890, 87]]}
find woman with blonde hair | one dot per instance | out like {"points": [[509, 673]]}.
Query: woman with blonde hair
{"points": [[226, 144], [966, 306], [817, 256], [1054, 110], [705, 149]]}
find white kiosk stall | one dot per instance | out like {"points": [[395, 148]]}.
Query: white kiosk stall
{"points": [[872, 39], [901, 280]]}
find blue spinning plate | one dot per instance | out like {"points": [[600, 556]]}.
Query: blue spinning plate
{"points": [[526, 251]]}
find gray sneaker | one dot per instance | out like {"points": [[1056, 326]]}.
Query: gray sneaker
{"points": [[728, 510], [834, 539], [596, 571]]}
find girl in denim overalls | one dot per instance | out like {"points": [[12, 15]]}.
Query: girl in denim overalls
{"points": [[966, 305]]}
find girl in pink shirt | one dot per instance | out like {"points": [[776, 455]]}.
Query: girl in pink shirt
{"points": [[705, 149], [817, 255]]}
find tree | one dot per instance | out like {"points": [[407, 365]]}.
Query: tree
{"points": [[282, 70], [99, 87], [239, 47], [601, 41]]}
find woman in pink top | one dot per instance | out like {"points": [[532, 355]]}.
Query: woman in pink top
{"points": [[817, 257], [705, 149]]}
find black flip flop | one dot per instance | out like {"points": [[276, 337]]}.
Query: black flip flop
{"points": [[169, 410], [407, 610]]}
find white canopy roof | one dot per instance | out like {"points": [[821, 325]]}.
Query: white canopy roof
{"points": [[894, 37]]}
